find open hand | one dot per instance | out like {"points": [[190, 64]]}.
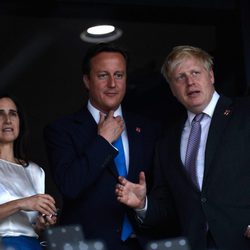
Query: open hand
{"points": [[132, 194]]}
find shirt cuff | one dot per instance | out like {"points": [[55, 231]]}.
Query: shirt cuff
{"points": [[141, 212]]}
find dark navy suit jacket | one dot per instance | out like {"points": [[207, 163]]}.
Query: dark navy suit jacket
{"points": [[223, 204], [84, 171]]}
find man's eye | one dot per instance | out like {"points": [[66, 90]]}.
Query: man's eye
{"points": [[195, 73], [13, 113], [118, 76], [102, 76], [180, 78]]}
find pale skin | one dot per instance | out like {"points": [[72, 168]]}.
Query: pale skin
{"points": [[110, 127], [132, 194], [42, 203], [192, 84], [106, 84]]}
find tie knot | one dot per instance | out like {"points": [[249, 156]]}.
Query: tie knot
{"points": [[198, 117]]}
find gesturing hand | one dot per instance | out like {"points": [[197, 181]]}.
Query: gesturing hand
{"points": [[110, 127], [132, 194]]}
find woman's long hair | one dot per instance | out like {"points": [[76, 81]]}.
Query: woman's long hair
{"points": [[21, 142]]}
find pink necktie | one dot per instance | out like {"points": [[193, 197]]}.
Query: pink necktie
{"points": [[193, 147]]}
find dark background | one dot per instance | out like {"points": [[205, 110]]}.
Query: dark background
{"points": [[41, 53]]}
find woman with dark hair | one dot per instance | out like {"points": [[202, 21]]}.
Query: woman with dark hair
{"points": [[24, 208]]}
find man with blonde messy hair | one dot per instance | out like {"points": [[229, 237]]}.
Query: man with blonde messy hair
{"points": [[202, 168]]}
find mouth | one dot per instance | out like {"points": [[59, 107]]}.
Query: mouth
{"points": [[110, 94], [193, 93], [7, 130]]}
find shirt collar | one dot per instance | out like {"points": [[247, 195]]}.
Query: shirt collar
{"points": [[96, 113], [209, 110]]}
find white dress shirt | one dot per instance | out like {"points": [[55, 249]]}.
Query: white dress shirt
{"points": [[205, 124], [96, 115], [18, 182]]}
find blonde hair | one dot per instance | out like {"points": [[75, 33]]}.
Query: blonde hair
{"points": [[179, 53]]}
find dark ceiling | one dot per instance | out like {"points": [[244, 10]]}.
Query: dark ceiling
{"points": [[41, 48], [119, 9]]}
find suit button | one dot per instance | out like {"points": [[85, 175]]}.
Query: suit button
{"points": [[203, 200]]}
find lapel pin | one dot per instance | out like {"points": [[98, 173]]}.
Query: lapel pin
{"points": [[138, 130], [227, 112]]}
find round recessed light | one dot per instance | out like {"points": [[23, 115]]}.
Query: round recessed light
{"points": [[101, 29], [101, 33]]}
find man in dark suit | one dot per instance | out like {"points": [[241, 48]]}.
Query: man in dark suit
{"points": [[81, 153], [212, 202]]}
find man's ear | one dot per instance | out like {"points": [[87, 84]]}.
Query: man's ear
{"points": [[86, 81], [211, 73]]}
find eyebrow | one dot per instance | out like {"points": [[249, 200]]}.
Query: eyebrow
{"points": [[10, 110]]}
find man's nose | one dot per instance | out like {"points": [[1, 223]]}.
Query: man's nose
{"points": [[111, 82], [189, 79]]}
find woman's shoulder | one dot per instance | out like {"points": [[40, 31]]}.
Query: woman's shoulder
{"points": [[35, 168]]}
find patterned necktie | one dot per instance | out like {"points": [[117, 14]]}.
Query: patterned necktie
{"points": [[120, 163], [193, 147]]}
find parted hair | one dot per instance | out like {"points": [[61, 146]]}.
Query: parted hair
{"points": [[21, 142], [98, 48]]}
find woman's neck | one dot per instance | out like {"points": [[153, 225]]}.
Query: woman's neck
{"points": [[6, 153]]}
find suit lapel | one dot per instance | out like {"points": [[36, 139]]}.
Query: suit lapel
{"points": [[134, 134], [85, 119], [221, 116], [88, 126]]}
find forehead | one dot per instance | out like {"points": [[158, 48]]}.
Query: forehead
{"points": [[108, 59], [187, 63], [7, 103]]}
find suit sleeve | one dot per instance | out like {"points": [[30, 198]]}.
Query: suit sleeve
{"points": [[76, 161], [161, 212]]}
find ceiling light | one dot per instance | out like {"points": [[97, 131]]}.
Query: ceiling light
{"points": [[101, 33], [101, 29]]}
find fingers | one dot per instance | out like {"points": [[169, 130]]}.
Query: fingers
{"points": [[49, 198], [122, 180], [247, 232], [110, 117], [47, 203], [120, 122], [45, 209], [110, 114], [110, 127], [119, 190], [44, 221], [43, 203], [102, 117], [49, 219], [142, 179]]}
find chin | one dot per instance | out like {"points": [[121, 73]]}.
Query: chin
{"points": [[109, 108]]}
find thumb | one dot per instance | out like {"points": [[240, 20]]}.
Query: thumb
{"points": [[142, 179], [102, 117], [111, 114]]}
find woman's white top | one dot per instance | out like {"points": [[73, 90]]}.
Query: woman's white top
{"points": [[18, 182]]}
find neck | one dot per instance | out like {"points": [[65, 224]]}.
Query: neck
{"points": [[6, 153]]}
